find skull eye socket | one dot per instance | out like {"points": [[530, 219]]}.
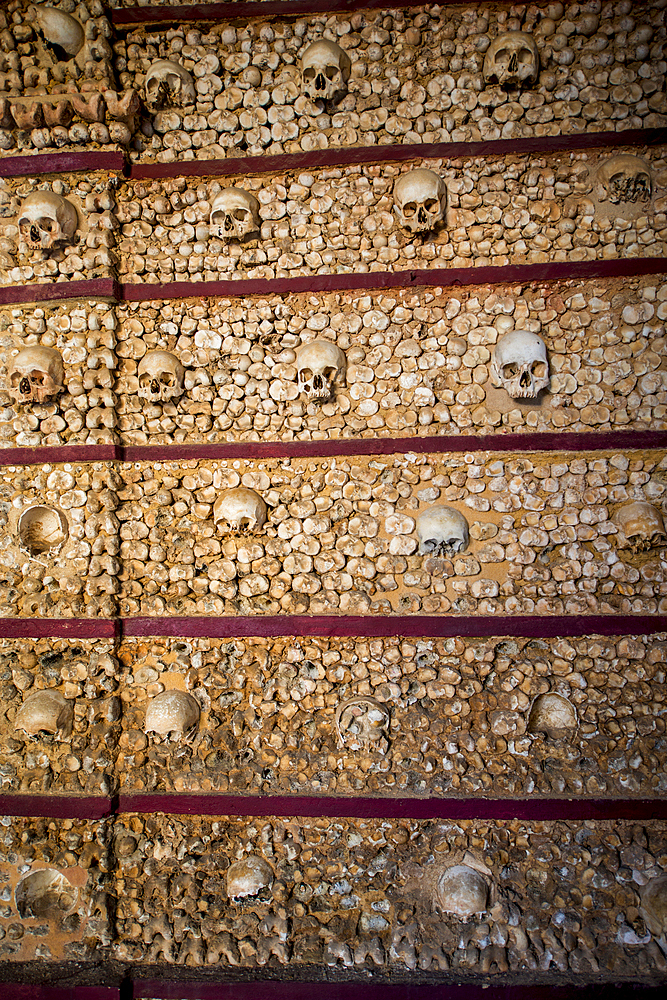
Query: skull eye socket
{"points": [[525, 55], [305, 375], [167, 379], [511, 370], [37, 377], [173, 81], [409, 209], [331, 72], [539, 369], [309, 74], [431, 205], [240, 214]]}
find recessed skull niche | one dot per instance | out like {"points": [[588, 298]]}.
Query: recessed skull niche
{"points": [[325, 70], [235, 215], [362, 723], [161, 377], [520, 365], [172, 715], [47, 712], [62, 35], [239, 510], [45, 894], [42, 530], [552, 715], [36, 375], [249, 878], [168, 85], [321, 366], [420, 200], [463, 891], [442, 532], [512, 61], [625, 180], [640, 527], [47, 221]]}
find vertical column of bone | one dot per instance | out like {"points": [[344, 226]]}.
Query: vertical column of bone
{"points": [[102, 533], [99, 378]]}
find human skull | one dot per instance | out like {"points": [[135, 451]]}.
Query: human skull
{"points": [[654, 905], [168, 85], [463, 891], [551, 714], [171, 714], [42, 529], [161, 376], [362, 719], [520, 364], [442, 531], [320, 365], [235, 214], [625, 178], [420, 200], [45, 894], [61, 32], [46, 711], [640, 526], [239, 509], [512, 59], [47, 220], [325, 69], [248, 877], [36, 374]]}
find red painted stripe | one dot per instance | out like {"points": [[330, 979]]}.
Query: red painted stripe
{"points": [[66, 453], [58, 163], [350, 155], [56, 806], [445, 277], [98, 288], [58, 628], [534, 808], [555, 441], [413, 626], [129, 16], [559, 441], [32, 991], [453, 989]]}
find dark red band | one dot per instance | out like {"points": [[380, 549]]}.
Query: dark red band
{"points": [[97, 288], [59, 628], [58, 163]]}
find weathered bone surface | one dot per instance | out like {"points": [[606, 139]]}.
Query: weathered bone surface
{"points": [[654, 905], [320, 367], [46, 894], [248, 877], [47, 220], [161, 376], [362, 720], [169, 85], [626, 178], [240, 509], [61, 32], [36, 374], [442, 531], [172, 712], [325, 70], [46, 711], [42, 529], [512, 60], [463, 891], [420, 200], [640, 526], [552, 714], [235, 214], [520, 364]]}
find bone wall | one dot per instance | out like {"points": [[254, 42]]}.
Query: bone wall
{"points": [[389, 716], [514, 210], [340, 537]]}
